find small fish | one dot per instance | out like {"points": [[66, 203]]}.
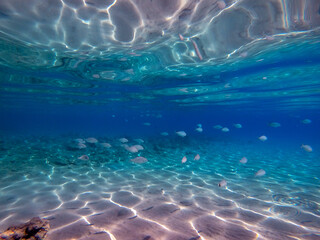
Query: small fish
{"points": [[91, 140], [184, 159], [139, 147], [80, 140], [263, 138], [225, 129], [174, 210], [106, 145], [181, 37], [131, 149], [123, 140], [260, 173], [164, 134], [243, 160], [181, 133], [130, 71], [199, 125], [269, 38], [139, 140], [197, 157], [84, 157], [306, 121], [307, 148], [274, 124], [81, 146], [237, 125], [147, 124], [146, 209], [243, 54], [223, 183], [197, 50], [139, 160], [217, 127], [185, 90], [221, 4], [199, 129], [227, 85]]}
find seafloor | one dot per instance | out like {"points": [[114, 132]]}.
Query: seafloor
{"points": [[110, 197]]}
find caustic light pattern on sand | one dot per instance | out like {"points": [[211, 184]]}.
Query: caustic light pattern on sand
{"points": [[116, 184]]}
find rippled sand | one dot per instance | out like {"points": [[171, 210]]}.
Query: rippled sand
{"points": [[109, 197]]}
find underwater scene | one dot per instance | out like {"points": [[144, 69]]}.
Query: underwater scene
{"points": [[160, 119]]}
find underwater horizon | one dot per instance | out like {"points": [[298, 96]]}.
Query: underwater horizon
{"points": [[160, 120]]}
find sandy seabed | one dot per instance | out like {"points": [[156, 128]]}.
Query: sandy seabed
{"points": [[110, 197]]}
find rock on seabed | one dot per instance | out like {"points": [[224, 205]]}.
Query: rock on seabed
{"points": [[35, 229]]}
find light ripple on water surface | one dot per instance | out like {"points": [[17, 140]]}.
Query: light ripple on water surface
{"points": [[94, 53]]}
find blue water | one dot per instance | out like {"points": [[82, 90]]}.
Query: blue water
{"points": [[76, 77]]}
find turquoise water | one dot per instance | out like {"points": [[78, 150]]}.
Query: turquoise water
{"points": [[177, 120]]}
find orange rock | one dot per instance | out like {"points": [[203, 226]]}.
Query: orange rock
{"points": [[35, 229]]}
